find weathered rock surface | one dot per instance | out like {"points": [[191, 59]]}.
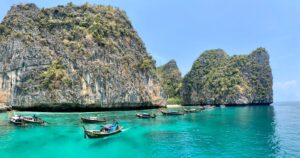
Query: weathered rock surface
{"points": [[216, 78], [170, 79], [74, 58], [4, 107]]}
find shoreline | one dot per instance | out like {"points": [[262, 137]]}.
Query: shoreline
{"points": [[231, 105], [82, 108], [74, 109], [173, 106]]}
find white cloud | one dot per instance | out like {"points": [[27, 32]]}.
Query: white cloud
{"points": [[287, 91], [286, 84]]}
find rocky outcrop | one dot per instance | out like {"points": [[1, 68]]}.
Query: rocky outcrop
{"points": [[74, 57], [170, 79], [4, 107], [216, 78]]}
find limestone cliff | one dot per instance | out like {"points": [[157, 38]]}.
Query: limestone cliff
{"points": [[170, 79], [74, 57], [216, 78]]}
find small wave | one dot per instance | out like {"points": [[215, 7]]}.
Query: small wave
{"points": [[126, 129]]}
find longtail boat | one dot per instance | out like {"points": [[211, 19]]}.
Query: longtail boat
{"points": [[209, 107], [165, 112], [92, 120], [191, 110], [201, 108], [33, 120], [145, 115], [106, 130], [17, 120]]}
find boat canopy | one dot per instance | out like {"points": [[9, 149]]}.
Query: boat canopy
{"points": [[93, 118], [108, 126]]}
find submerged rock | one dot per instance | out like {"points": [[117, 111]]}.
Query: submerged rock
{"points": [[216, 78], [74, 57]]}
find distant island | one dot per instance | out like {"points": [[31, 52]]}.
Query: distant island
{"points": [[89, 57], [216, 78]]}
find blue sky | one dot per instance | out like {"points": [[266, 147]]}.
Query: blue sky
{"points": [[181, 30]]}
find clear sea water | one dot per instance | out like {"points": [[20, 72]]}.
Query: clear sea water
{"points": [[250, 131]]}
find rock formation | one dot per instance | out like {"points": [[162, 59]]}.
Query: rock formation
{"points": [[70, 57], [216, 78], [170, 79]]}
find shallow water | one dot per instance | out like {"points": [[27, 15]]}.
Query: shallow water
{"points": [[250, 131]]}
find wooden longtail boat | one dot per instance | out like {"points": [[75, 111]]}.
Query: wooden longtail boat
{"points": [[92, 120], [33, 120], [191, 110], [165, 112], [17, 120], [104, 132], [209, 107], [201, 108], [146, 115]]}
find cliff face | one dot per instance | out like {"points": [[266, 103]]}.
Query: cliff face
{"points": [[170, 79], [74, 57], [216, 78]]}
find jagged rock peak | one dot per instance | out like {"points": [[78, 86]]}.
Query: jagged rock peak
{"points": [[170, 79], [171, 65], [260, 55]]}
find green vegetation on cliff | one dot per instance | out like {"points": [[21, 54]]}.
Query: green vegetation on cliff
{"points": [[86, 55], [216, 78], [91, 55], [77, 26], [55, 76], [170, 79]]}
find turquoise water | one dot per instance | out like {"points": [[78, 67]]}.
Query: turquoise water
{"points": [[258, 131]]}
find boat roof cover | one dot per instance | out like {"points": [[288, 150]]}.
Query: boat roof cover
{"points": [[108, 126], [16, 117], [93, 118]]}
